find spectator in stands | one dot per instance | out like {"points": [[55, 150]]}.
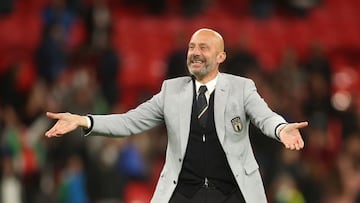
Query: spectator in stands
{"points": [[317, 105], [52, 54], [99, 54], [300, 8], [156, 7], [72, 186], [240, 60], [318, 63], [6, 6], [107, 68], [343, 183], [58, 13], [285, 189], [10, 93], [104, 62], [11, 189], [190, 8], [292, 84], [16, 142], [262, 9], [176, 62], [102, 170], [97, 20]]}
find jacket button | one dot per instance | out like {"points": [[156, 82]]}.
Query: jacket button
{"points": [[180, 160], [174, 182]]}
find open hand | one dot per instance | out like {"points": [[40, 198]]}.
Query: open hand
{"points": [[290, 135], [66, 123]]}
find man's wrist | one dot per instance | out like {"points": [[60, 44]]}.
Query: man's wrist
{"points": [[88, 122], [279, 128], [84, 121]]}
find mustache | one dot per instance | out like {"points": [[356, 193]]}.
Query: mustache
{"points": [[196, 58]]}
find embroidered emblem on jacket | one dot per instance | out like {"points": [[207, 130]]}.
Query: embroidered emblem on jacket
{"points": [[236, 123]]}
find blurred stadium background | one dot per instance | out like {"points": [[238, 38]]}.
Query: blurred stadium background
{"points": [[107, 56]]}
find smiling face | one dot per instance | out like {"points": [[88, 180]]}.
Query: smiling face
{"points": [[205, 53]]}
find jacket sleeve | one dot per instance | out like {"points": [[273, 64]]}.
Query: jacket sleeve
{"points": [[259, 112], [146, 116]]}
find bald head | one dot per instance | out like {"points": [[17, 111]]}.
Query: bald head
{"points": [[212, 35]]}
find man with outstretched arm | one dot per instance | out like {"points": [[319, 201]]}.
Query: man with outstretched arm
{"points": [[207, 115]]}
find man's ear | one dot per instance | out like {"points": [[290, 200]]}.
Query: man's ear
{"points": [[221, 57]]}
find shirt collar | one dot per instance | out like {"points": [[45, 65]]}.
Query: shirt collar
{"points": [[209, 85]]}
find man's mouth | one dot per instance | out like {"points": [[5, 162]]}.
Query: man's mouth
{"points": [[197, 62]]}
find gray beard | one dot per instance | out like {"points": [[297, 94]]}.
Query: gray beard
{"points": [[199, 74]]}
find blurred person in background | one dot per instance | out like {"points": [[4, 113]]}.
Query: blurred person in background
{"points": [[58, 12], [300, 8], [240, 60], [11, 189], [176, 61], [22, 154], [262, 9], [98, 53], [292, 85], [285, 190], [317, 105], [343, 182], [184, 178], [192, 8], [97, 20], [52, 54], [6, 7], [72, 187]]}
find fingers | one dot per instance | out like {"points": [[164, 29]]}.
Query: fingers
{"points": [[291, 126], [302, 124], [59, 128], [53, 132], [53, 115], [296, 143], [295, 146], [301, 142]]}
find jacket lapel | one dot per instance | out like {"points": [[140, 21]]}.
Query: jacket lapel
{"points": [[220, 100], [185, 107]]}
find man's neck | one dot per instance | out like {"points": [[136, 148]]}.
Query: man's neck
{"points": [[207, 78]]}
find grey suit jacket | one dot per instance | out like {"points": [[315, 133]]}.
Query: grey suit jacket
{"points": [[235, 97]]}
